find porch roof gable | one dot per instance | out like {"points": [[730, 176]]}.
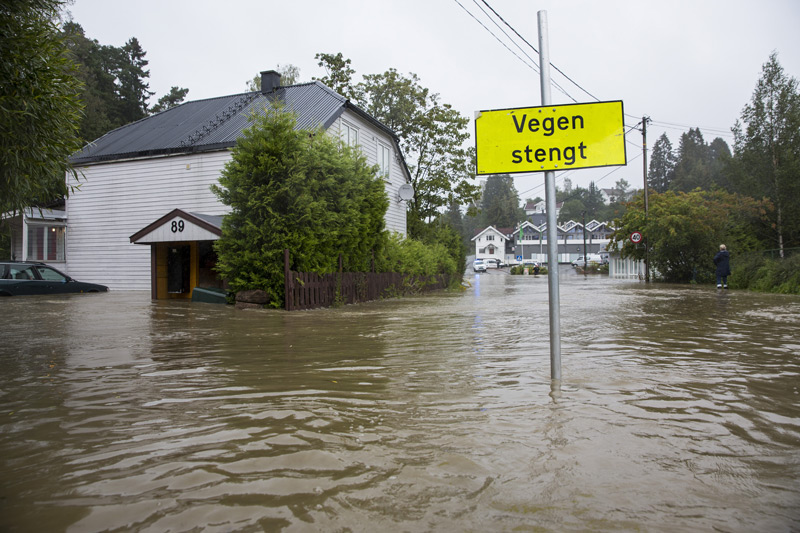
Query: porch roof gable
{"points": [[179, 225]]}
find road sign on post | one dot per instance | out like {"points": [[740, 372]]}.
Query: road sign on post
{"points": [[550, 137], [546, 139]]}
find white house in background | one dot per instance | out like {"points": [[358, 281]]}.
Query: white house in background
{"points": [[528, 241], [145, 218], [616, 195], [490, 243], [539, 208], [609, 195]]}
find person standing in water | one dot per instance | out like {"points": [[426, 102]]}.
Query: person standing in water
{"points": [[723, 262]]}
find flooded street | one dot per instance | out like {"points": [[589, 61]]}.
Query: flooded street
{"points": [[679, 410]]}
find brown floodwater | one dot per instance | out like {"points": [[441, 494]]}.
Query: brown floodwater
{"points": [[679, 410]]}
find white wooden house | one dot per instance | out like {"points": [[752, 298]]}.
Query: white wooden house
{"points": [[490, 243], [145, 218]]}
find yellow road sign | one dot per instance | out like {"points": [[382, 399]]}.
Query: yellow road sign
{"points": [[558, 137]]}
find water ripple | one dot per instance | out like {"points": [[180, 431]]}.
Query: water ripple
{"points": [[679, 410]]}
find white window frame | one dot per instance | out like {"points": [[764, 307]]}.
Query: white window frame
{"points": [[384, 154], [60, 243], [349, 134]]}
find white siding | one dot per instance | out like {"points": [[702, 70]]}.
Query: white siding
{"points": [[115, 200], [368, 138]]}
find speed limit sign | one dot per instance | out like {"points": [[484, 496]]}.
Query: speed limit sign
{"points": [[636, 237]]}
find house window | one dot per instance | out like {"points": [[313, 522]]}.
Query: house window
{"points": [[384, 158], [349, 134], [46, 243], [490, 237]]}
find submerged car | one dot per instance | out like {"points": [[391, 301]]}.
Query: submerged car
{"points": [[478, 266], [20, 278]]}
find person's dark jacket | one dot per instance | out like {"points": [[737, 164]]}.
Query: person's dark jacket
{"points": [[723, 262]]}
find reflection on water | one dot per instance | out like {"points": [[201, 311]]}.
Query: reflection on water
{"points": [[679, 409]]}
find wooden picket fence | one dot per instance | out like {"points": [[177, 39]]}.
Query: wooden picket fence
{"points": [[307, 290]]}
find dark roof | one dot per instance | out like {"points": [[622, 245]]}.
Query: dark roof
{"points": [[503, 231], [216, 123], [214, 220]]}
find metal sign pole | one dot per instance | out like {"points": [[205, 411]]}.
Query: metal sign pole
{"points": [[552, 228]]}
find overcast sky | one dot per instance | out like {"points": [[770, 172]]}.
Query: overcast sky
{"points": [[684, 63]]}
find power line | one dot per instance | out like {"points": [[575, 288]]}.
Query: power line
{"points": [[504, 32], [552, 81], [684, 126], [576, 84], [713, 131], [669, 125], [534, 67], [564, 175]]}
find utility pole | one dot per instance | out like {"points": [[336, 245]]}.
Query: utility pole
{"points": [[645, 120]]}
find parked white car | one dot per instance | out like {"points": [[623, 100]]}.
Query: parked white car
{"points": [[590, 258], [478, 265]]}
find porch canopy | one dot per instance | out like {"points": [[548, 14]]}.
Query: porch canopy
{"points": [[179, 226]]}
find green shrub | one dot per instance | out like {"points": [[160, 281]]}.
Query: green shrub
{"points": [[5, 243], [296, 189], [413, 257], [593, 268], [744, 271], [522, 270], [755, 272]]}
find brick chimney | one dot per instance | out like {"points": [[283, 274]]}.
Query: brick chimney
{"points": [[270, 80]]}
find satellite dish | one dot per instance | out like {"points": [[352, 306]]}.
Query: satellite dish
{"points": [[406, 192]]}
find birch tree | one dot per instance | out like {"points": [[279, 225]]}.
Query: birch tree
{"points": [[767, 148]]}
